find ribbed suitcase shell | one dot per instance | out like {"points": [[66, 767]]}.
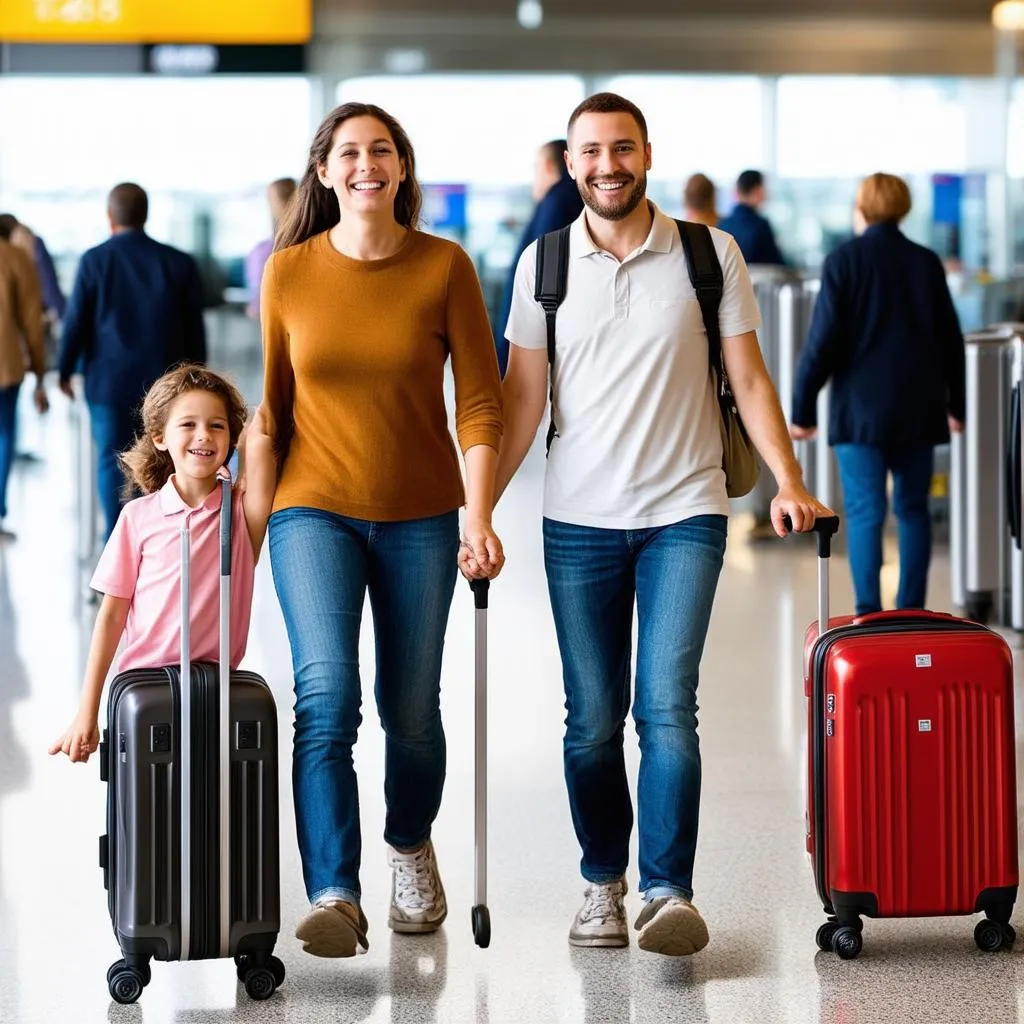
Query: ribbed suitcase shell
{"points": [[142, 849], [912, 806]]}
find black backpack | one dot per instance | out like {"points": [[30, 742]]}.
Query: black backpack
{"points": [[705, 276]]}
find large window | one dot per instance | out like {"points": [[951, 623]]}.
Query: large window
{"points": [[709, 124], [473, 129], [852, 126], [202, 148]]}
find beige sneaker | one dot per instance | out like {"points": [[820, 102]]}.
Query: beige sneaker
{"points": [[333, 929], [418, 902], [601, 920], [671, 925]]}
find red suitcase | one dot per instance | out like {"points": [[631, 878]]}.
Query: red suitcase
{"points": [[911, 797]]}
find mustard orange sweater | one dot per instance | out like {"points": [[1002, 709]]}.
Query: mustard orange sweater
{"points": [[354, 356]]}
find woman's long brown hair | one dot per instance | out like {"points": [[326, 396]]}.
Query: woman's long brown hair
{"points": [[314, 209]]}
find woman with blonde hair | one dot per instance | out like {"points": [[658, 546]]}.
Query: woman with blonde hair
{"points": [[360, 313], [886, 334]]}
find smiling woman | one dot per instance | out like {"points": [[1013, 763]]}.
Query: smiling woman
{"points": [[360, 312]]}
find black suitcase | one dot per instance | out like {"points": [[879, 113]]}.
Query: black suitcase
{"points": [[190, 859]]}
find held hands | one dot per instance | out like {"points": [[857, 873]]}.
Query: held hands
{"points": [[480, 553], [795, 501], [40, 399], [80, 740]]}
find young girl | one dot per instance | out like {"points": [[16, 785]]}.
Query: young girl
{"points": [[192, 421]]}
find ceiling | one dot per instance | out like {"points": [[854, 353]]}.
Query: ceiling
{"points": [[595, 37], [581, 10]]}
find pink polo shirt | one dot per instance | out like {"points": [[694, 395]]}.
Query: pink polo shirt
{"points": [[142, 562]]}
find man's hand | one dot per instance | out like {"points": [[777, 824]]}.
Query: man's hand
{"points": [[42, 402], [65, 386], [955, 426], [800, 505], [802, 433]]}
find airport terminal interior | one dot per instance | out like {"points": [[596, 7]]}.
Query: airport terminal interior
{"points": [[204, 114]]}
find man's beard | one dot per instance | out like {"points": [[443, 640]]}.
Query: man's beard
{"points": [[614, 205]]}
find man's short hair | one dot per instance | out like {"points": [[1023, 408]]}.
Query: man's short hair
{"points": [[699, 194], [555, 152], [748, 181], [128, 205], [8, 222], [883, 198], [283, 188], [609, 103]]}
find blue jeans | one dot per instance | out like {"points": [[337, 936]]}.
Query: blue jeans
{"points": [[594, 575], [113, 430], [863, 470], [323, 565], [8, 438]]}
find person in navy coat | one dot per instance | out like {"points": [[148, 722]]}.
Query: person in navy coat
{"points": [[751, 228], [558, 204], [886, 334]]}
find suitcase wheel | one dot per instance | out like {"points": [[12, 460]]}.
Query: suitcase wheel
{"points": [[482, 926], [244, 964], [259, 983], [847, 943], [991, 936], [125, 983], [825, 935], [143, 969]]}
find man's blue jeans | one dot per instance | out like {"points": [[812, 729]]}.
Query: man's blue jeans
{"points": [[323, 566], [863, 470], [8, 437], [113, 430], [594, 576]]}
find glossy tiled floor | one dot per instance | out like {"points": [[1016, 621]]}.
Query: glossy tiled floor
{"points": [[753, 881]]}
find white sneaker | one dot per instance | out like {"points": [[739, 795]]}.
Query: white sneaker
{"points": [[601, 920], [671, 925], [417, 895]]}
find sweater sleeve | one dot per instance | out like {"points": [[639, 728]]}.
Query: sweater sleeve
{"points": [[478, 418], [278, 375]]}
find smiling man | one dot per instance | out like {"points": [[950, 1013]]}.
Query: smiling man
{"points": [[635, 511]]}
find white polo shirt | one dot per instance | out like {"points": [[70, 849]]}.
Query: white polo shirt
{"points": [[638, 440]]}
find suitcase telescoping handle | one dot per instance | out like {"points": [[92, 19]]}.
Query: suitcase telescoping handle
{"points": [[481, 916], [825, 528], [224, 730]]}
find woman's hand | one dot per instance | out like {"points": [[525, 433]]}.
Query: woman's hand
{"points": [[800, 505], [480, 553], [80, 740]]}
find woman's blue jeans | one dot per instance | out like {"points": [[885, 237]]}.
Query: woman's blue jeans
{"points": [[8, 438], [863, 470], [323, 566], [594, 577]]}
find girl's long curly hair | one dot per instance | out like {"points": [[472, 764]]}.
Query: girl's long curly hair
{"points": [[145, 467]]}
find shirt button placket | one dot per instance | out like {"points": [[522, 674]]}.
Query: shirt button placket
{"points": [[621, 294]]}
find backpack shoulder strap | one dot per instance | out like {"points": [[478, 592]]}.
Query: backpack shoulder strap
{"points": [[549, 290], [552, 275], [708, 282]]}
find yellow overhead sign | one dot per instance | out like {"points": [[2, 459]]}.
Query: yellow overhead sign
{"points": [[155, 21]]}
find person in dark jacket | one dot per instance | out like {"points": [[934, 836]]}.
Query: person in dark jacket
{"points": [[751, 229], [886, 334], [558, 204], [135, 311]]}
